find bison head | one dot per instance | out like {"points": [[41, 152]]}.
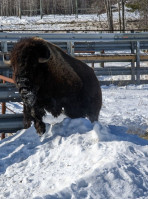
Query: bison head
{"points": [[29, 59]]}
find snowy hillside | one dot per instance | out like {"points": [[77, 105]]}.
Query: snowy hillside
{"points": [[75, 159]]}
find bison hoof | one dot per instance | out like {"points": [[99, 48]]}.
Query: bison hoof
{"points": [[27, 124], [40, 133], [40, 129]]}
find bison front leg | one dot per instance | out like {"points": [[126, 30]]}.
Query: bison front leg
{"points": [[27, 116], [37, 113]]}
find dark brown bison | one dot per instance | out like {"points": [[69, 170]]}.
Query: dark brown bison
{"points": [[50, 80]]}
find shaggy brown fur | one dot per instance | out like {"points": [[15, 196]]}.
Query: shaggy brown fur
{"points": [[61, 83]]}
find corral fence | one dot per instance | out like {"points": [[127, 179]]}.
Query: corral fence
{"points": [[9, 123], [100, 51]]}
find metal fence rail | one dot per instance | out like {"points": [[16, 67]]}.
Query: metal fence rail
{"points": [[8, 92], [78, 45], [10, 123], [82, 41], [77, 36]]}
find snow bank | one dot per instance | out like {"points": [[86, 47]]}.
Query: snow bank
{"points": [[73, 159]]}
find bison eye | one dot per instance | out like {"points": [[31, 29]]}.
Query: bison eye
{"points": [[33, 66]]}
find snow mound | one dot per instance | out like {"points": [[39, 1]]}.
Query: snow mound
{"points": [[74, 159]]}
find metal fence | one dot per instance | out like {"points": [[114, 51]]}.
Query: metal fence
{"points": [[97, 49]]}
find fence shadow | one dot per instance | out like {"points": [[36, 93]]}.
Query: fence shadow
{"points": [[17, 148]]}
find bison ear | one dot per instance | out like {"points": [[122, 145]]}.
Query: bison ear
{"points": [[45, 55], [6, 59]]}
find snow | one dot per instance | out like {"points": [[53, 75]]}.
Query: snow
{"points": [[76, 159], [49, 22], [62, 22]]}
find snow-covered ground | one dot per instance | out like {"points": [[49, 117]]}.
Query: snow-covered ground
{"points": [[75, 159], [52, 22], [63, 22]]}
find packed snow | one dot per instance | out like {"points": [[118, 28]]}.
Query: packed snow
{"points": [[77, 159]]}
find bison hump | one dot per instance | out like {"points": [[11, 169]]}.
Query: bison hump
{"points": [[70, 79]]}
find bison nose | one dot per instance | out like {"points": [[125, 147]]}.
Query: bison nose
{"points": [[24, 91], [22, 81], [18, 84]]}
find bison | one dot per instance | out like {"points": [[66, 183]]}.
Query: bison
{"points": [[50, 80]]}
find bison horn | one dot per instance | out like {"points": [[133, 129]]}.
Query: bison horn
{"points": [[42, 60], [7, 62]]}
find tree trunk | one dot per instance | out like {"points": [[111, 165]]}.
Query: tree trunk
{"points": [[109, 14]]}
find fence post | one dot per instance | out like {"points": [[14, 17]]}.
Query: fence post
{"points": [[70, 48], [4, 46], [132, 64], [133, 72], [138, 61], [102, 63], [3, 112]]}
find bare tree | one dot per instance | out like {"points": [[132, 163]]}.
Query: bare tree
{"points": [[109, 14]]}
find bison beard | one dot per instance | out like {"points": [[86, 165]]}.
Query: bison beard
{"points": [[26, 90], [50, 80]]}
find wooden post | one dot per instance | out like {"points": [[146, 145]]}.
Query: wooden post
{"points": [[102, 63], [3, 112], [3, 108]]}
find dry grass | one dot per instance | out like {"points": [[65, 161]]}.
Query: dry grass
{"points": [[145, 136]]}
